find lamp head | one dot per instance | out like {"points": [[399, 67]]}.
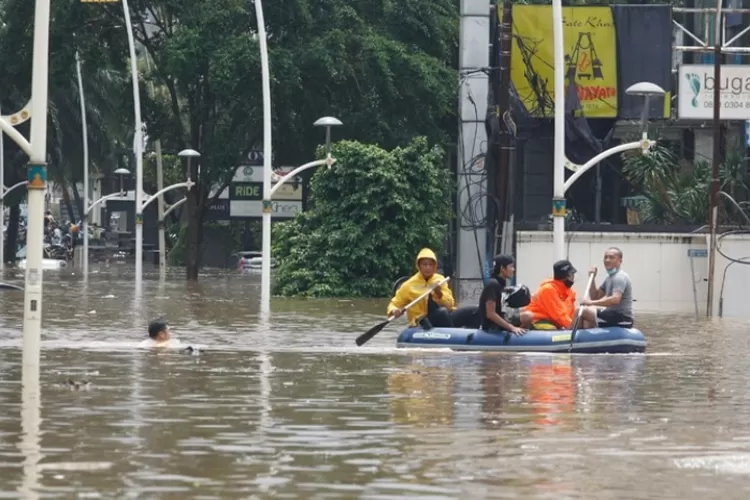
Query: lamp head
{"points": [[190, 153], [646, 89], [327, 121]]}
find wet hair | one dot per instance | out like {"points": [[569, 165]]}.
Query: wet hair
{"points": [[156, 327], [616, 250]]}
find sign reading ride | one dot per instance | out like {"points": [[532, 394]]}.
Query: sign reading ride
{"points": [[590, 59]]}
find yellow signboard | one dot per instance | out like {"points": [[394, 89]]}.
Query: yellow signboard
{"points": [[590, 58]]}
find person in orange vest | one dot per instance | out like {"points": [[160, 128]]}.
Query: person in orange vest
{"points": [[553, 305]]}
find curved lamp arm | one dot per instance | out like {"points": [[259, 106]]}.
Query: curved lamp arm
{"points": [[15, 186], [187, 185], [294, 173], [172, 207], [644, 144], [112, 196]]}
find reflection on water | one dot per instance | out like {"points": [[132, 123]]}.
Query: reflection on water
{"points": [[291, 408], [551, 390]]}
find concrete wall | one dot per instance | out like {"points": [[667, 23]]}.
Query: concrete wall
{"points": [[474, 53], [735, 278]]}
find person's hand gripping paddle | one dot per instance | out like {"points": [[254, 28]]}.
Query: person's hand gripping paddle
{"points": [[365, 337], [580, 312]]}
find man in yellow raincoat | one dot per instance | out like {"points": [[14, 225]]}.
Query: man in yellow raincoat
{"points": [[436, 307]]}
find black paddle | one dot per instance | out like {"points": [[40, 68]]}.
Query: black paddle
{"points": [[8, 286], [377, 328], [580, 312]]}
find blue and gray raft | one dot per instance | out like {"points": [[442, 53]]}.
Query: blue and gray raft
{"points": [[609, 339]]}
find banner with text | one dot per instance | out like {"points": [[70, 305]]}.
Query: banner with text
{"points": [[696, 92], [590, 58]]}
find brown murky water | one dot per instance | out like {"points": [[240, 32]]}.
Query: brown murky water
{"points": [[296, 410]]}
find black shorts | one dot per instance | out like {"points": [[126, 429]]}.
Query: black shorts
{"points": [[608, 317]]}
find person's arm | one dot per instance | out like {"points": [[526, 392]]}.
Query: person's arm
{"points": [[397, 303], [493, 316], [444, 297], [594, 292], [618, 287]]}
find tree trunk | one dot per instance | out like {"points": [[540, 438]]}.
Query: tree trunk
{"points": [[79, 202], [11, 238], [68, 203], [193, 236]]}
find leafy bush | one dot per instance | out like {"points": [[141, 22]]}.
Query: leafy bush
{"points": [[373, 211]]}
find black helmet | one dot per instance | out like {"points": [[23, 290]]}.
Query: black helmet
{"points": [[562, 269], [519, 297]]}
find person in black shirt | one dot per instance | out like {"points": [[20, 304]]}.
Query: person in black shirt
{"points": [[491, 300]]}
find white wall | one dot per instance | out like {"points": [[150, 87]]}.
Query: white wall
{"points": [[658, 264], [736, 293]]}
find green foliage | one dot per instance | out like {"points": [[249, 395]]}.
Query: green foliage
{"points": [[677, 192], [373, 211], [173, 171], [105, 84], [386, 69]]}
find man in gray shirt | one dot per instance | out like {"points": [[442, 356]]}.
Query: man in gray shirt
{"points": [[615, 295]]}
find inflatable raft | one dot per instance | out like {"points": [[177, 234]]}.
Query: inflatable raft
{"points": [[610, 339]]}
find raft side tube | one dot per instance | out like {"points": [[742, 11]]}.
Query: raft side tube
{"points": [[614, 339]]}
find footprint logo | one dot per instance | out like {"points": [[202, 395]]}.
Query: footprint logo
{"points": [[695, 85]]}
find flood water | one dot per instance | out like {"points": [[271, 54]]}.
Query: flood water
{"points": [[293, 409]]}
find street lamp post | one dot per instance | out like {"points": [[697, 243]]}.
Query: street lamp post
{"points": [[189, 183], [189, 154], [558, 198], [122, 172], [645, 89], [137, 140], [37, 185], [268, 192], [137, 148], [85, 136], [265, 284]]}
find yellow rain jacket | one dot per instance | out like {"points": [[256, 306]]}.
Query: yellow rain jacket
{"points": [[416, 286]]}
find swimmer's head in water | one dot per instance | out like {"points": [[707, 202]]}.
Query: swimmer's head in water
{"points": [[158, 330]]}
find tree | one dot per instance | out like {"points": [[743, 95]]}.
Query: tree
{"points": [[677, 192], [103, 60], [203, 63], [373, 211], [383, 68], [386, 69]]}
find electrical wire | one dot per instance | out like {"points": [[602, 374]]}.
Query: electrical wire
{"points": [[473, 195], [742, 260]]}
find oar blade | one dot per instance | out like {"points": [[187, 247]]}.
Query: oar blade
{"points": [[365, 337]]}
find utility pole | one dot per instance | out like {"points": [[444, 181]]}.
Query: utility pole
{"points": [[713, 213]]}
